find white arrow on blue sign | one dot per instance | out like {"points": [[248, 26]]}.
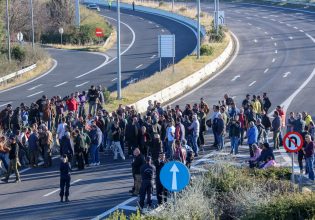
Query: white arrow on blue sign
{"points": [[174, 176]]}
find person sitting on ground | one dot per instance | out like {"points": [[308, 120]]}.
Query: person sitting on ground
{"points": [[270, 163], [266, 152], [257, 153]]}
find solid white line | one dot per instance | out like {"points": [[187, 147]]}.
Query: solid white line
{"points": [[266, 70], [33, 80], [114, 79], [48, 194], [153, 56], [82, 84], [286, 74], [114, 208], [35, 94], [129, 208], [309, 36], [301, 31], [139, 66], [273, 60], [5, 104], [106, 61], [61, 84], [252, 84], [34, 87]]}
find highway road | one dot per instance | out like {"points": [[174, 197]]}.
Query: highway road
{"points": [[276, 50], [77, 70]]}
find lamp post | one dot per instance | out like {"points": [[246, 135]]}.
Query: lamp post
{"points": [[77, 13], [8, 31], [61, 33], [32, 17], [118, 52]]}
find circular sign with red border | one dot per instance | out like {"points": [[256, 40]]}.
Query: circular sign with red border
{"points": [[293, 142]]}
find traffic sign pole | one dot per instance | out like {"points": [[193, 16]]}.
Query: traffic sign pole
{"points": [[292, 175]]}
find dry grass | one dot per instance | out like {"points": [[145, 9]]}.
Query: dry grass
{"points": [[159, 81], [42, 67]]}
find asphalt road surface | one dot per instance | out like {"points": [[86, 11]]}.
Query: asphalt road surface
{"points": [[275, 56], [77, 70]]}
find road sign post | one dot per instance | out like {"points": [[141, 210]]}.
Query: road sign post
{"points": [[174, 177], [61, 33], [293, 142], [166, 46]]}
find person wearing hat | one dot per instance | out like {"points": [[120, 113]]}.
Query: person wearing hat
{"points": [[147, 174], [14, 160], [65, 178]]}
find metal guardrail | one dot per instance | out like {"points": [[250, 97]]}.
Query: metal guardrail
{"points": [[16, 74]]}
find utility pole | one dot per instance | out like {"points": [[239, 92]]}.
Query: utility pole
{"points": [[198, 36], [172, 5], [8, 32], [77, 13], [118, 52], [32, 16]]}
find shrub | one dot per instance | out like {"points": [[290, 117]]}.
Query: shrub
{"points": [[206, 50], [275, 173], [106, 95], [183, 9], [214, 36], [161, 3], [18, 53], [286, 207]]}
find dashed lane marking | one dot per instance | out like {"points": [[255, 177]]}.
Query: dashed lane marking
{"points": [[36, 93]]}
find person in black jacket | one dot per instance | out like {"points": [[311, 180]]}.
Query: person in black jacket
{"points": [[14, 160], [78, 149], [65, 146], [147, 174], [265, 121], [235, 134], [161, 192], [65, 178], [136, 165]]}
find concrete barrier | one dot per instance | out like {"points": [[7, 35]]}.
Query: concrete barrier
{"points": [[16, 74], [187, 83]]}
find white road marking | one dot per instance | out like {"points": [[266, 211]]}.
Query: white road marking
{"points": [[157, 26], [255, 40], [34, 87], [273, 60], [252, 84], [276, 51], [106, 61], [150, 22], [249, 24], [281, 22], [101, 216], [273, 19], [82, 84], [139, 66], [5, 104], [153, 56], [141, 18], [296, 28], [289, 25], [291, 38], [162, 30], [309, 36], [266, 70], [114, 79], [48, 194], [286, 74], [271, 38], [266, 32], [259, 28], [275, 44], [39, 164], [35, 94], [235, 77], [264, 17], [248, 17], [239, 20], [301, 31], [129, 208], [60, 84]]}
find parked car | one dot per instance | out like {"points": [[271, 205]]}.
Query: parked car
{"points": [[94, 7]]}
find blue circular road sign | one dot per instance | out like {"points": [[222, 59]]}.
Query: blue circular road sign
{"points": [[174, 176]]}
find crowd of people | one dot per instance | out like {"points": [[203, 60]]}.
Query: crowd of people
{"points": [[78, 127]]}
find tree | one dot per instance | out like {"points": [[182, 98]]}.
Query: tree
{"points": [[2, 33]]}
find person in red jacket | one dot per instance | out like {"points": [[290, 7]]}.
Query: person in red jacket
{"points": [[72, 104]]}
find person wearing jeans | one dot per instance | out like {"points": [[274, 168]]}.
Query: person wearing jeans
{"points": [[94, 145], [170, 135], [195, 126], [309, 156], [235, 133]]}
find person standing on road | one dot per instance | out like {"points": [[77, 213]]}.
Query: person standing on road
{"points": [[116, 133], [92, 97], [65, 178], [235, 133], [276, 128], [309, 156], [161, 192], [136, 165], [147, 175], [14, 160], [195, 127]]}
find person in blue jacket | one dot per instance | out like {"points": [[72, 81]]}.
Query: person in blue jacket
{"points": [[252, 137], [65, 178]]}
